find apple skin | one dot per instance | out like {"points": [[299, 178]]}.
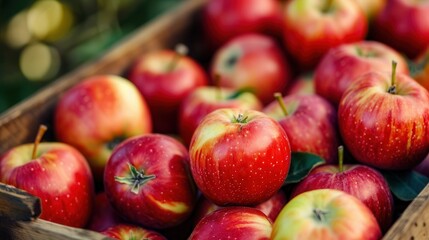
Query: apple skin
{"points": [[341, 216], [343, 64], [59, 175], [165, 194], [240, 223], [309, 32], [402, 24], [303, 85], [103, 215], [311, 124], [271, 208], [252, 61], [204, 100], [165, 89], [128, 231], [223, 20], [375, 195], [371, 8], [239, 157], [97, 113], [384, 130]]}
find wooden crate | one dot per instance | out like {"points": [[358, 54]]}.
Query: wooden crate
{"points": [[19, 210]]}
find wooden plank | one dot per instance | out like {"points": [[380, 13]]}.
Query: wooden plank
{"points": [[44, 230], [414, 221], [19, 124], [17, 204]]}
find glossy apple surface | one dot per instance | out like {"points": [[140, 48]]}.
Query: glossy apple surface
{"points": [[271, 208], [312, 27], [239, 157], [303, 84], [59, 175], [385, 125], [98, 113], [131, 232], [225, 19], [343, 64], [240, 223], [253, 61], [403, 25], [325, 214], [375, 194], [204, 100], [310, 122], [148, 182], [103, 214], [164, 86]]}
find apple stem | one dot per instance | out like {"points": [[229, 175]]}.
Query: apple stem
{"points": [[328, 6], [217, 79], [40, 133], [341, 158], [392, 88], [319, 215], [136, 179], [240, 118], [278, 96], [181, 50]]}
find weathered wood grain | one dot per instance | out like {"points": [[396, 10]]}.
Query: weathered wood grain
{"points": [[17, 204], [43, 230]]}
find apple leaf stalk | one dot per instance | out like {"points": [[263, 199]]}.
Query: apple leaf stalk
{"points": [[181, 50], [240, 118], [217, 79], [136, 179], [340, 158], [278, 96], [40, 133], [392, 88]]}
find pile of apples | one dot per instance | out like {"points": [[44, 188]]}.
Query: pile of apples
{"points": [[179, 149]]}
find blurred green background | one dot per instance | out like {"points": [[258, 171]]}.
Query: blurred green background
{"points": [[41, 40]]}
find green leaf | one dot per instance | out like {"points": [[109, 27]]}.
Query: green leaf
{"points": [[301, 164], [405, 185]]}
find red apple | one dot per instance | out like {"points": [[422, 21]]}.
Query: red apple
{"points": [[271, 208], [384, 120], [325, 214], [224, 19], [98, 113], [103, 215], [303, 84], [239, 157], [312, 27], [131, 232], [240, 223], [165, 78], [310, 123], [56, 173], [350, 178], [344, 63], [252, 61], [371, 8], [148, 181], [204, 100], [403, 24]]}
